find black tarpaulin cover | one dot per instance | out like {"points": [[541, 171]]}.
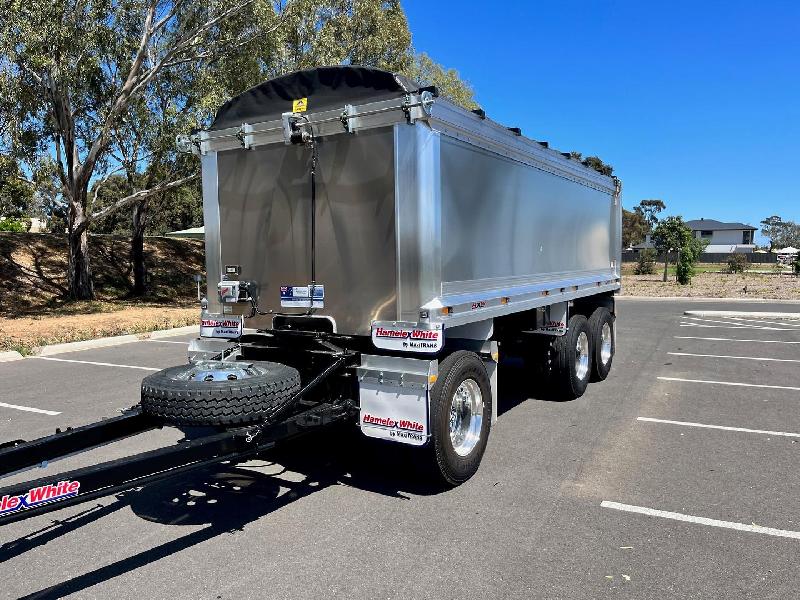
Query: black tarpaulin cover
{"points": [[326, 88]]}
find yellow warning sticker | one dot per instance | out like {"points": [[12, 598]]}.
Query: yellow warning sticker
{"points": [[300, 105]]}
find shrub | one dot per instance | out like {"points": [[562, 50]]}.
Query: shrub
{"points": [[796, 265], [646, 262], [690, 252], [737, 263], [13, 225]]}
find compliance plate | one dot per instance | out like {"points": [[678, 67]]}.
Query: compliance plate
{"points": [[299, 296], [221, 326], [404, 336]]}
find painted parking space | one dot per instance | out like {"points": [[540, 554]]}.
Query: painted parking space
{"points": [[41, 393], [724, 418], [340, 506]]}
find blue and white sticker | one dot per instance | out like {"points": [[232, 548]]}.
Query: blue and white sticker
{"points": [[299, 296]]}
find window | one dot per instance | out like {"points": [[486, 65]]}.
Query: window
{"points": [[706, 234], [747, 237]]}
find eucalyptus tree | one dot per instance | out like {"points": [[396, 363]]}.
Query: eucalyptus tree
{"points": [[71, 72]]}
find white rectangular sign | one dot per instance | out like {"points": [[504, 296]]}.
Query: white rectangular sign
{"points": [[395, 413], [299, 296], [407, 337], [221, 326]]}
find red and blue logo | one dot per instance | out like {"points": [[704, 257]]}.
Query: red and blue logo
{"points": [[44, 494]]}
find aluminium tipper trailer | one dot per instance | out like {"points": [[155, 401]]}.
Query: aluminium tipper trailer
{"points": [[371, 248]]}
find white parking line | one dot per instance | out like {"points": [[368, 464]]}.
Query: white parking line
{"points": [[717, 339], [713, 326], [755, 385], [732, 326], [91, 362], [652, 512], [52, 413], [722, 427], [729, 322], [167, 342], [793, 360], [762, 322]]}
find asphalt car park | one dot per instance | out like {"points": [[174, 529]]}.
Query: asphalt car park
{"points": [[676, 477]]}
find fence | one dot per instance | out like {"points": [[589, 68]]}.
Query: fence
{"points": [[708, 257]]}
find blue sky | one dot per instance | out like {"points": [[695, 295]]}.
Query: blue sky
{"points": [[696, 103]]}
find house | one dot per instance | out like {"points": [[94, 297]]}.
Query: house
{"points": [[724, 237], [646, 244]]}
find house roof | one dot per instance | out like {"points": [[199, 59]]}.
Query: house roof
{"points": [[713, 225], [194, 232]]}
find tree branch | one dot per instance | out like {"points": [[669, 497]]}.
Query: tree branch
{"points": [[141, 195], [164, 20], [187, 41], [101, 141]]}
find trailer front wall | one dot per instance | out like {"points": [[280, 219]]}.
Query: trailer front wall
{"points": [[506, 224], [264, 225]]}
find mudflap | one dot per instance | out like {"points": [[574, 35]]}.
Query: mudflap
{"points": [[393, 397]]}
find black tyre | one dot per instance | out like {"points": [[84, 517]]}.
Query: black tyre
{"points": [[219, 393], [572, 359], [601, 325], [461, 417]]}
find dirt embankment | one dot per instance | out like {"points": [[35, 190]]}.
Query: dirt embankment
{"points": [[35, 309], [716, 285]]}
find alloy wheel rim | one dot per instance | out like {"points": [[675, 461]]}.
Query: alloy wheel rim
{"points": [[582, 356], [466, 417], [605, 343], [217, 371]]}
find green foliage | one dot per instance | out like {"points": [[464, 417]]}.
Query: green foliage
{"points": [[634, 228], [91, 89], [737, 263], [77, 77], [645, 262], [796, 265], [593, 162], [672, 235], [302, 34], [425, 71], [648, 210], [596, 163], [14, 225], [689, 253], [780, 233], [16, 193]]}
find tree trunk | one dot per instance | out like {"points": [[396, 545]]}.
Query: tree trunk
{"points": [[666, 264], [79, 270], [137, 249]]}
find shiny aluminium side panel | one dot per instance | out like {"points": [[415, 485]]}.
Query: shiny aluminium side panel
{"points": [[506, 224], [417, 205], [412, 219]]}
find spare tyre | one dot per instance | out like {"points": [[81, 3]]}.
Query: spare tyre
{"points": [[219, 393]]}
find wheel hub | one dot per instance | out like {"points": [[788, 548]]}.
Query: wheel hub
{"points": [[215, 370], [582, 356], [466, 417], [605, 343]]}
